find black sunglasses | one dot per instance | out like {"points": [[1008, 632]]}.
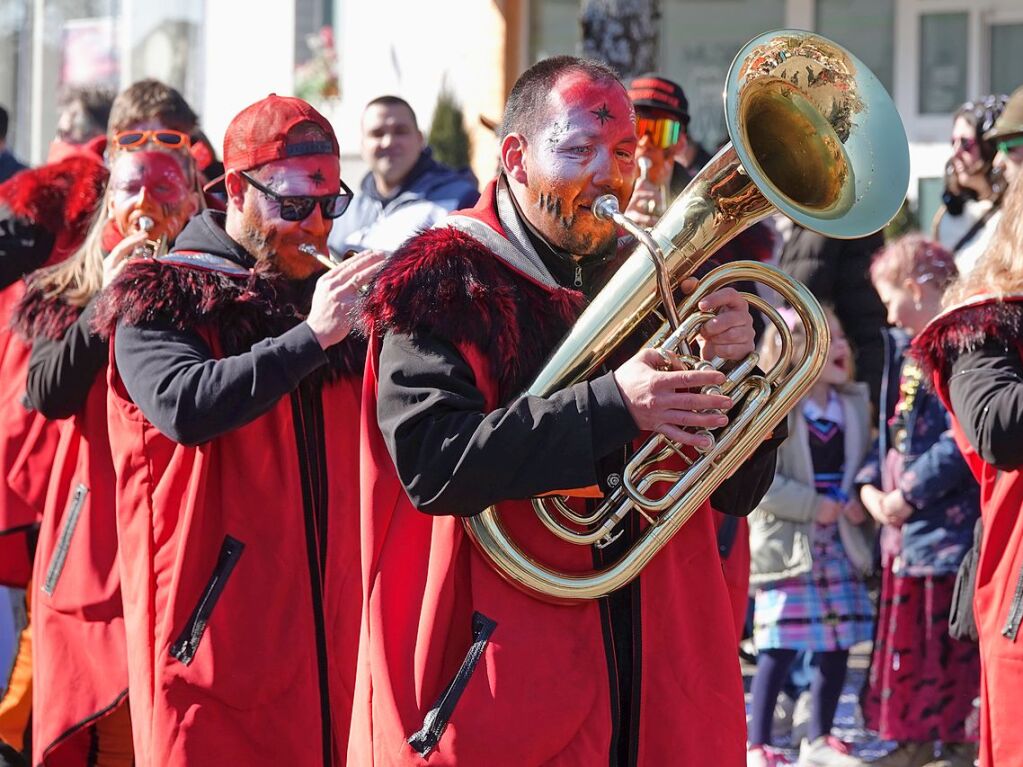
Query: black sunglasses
{"points": [[298, 207]]}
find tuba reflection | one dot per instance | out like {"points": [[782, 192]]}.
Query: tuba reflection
{"points": [[814, 136]]}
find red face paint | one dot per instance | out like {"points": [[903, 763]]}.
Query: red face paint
{"points": [[586, 149], [152, 184], [267, 235]]}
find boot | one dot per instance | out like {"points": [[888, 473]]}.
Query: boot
{"points": [[908, 754]]}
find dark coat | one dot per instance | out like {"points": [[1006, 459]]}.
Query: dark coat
{"points": [[935, 479], [837, 273]]}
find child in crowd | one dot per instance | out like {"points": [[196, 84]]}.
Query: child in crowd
{"points": [[811, 543], [922, 681]]}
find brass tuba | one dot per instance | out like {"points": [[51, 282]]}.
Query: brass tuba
{"points": [[815, 136]]}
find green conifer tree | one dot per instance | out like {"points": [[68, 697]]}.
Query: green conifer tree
{"points": [[448, 137]]}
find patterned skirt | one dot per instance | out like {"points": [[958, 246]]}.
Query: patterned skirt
{"points": [[922, 682], [825, 609]]}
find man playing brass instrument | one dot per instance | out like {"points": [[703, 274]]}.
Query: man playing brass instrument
{"points": [[455, 663], [233, 416]]}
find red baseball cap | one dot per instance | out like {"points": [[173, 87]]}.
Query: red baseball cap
{"points": [[259, 133], [656, 92]]}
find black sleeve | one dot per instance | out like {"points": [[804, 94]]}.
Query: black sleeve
{"points": [[61, 371], [455, 459], [740, 493], [24, 247], [986, 390], [193, 397]]}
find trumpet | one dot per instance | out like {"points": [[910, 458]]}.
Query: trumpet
{"points": [[149, 248], [327, 260]]}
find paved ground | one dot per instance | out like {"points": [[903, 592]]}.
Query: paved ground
{"points": [[848, 723]]}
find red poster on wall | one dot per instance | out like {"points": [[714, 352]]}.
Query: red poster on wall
{"points": [[89, 53]]}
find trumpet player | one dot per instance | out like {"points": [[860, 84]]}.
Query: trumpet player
{"points": [[457, 666], [233, 409], [667, 157]]}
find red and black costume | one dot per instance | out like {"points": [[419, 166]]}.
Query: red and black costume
{"points": [[80, 668], [455, 665], [974, 354], [235, 450], [44, 216]]}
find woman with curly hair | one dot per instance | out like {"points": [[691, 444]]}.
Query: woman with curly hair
{"points": [[973, 187]]}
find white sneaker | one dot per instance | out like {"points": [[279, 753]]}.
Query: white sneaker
{"points": [[781, 723], [800, 719], [827, 751]]}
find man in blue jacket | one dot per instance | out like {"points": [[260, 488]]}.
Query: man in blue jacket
{"points": [[406, 190]]}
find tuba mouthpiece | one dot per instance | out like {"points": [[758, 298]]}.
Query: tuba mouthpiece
{"points": [[605, 206]]}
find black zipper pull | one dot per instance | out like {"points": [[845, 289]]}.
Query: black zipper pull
{"points": [[578, 276]]}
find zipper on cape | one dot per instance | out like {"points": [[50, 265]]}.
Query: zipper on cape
{"points": [[187, 643], [64, 542]]}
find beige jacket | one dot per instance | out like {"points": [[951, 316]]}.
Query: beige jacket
{"points": [[781, 527]]}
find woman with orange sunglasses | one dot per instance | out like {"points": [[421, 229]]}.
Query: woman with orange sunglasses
{"points": [[80, 706]]}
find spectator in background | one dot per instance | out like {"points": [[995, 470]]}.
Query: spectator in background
{"points": [[811, 545], [836, 272], [973, 186], [406, 190], [82, 125], [917, 485], [1007, 136], [9, 165]]}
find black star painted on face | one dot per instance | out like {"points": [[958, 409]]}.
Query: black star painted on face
{"points": [[317, 178], [603, 114]]}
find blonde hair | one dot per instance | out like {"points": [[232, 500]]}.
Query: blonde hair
{"points": [[78, 278], [1000, 269]]}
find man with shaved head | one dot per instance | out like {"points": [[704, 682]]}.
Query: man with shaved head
{"points": [[455, 663]]}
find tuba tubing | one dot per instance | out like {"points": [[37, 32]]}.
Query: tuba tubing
{"points": [[758, 416]]}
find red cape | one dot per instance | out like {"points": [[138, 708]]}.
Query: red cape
{"points": [[225, 594], [998, 600], [60, 197], [455, 663]]}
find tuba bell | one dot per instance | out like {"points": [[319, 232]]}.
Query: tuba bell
{"points": [[815, 136]]}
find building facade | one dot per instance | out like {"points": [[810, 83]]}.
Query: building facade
{"points": [[932, 55]]}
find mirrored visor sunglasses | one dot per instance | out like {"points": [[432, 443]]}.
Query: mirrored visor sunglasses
{"points": [[663, 132]]}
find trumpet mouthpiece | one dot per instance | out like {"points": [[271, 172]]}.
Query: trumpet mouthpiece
{"points": [[310, 250], [146, 224]]}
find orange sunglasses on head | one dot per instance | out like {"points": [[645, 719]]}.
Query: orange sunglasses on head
{"points": [[132, 139]]}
